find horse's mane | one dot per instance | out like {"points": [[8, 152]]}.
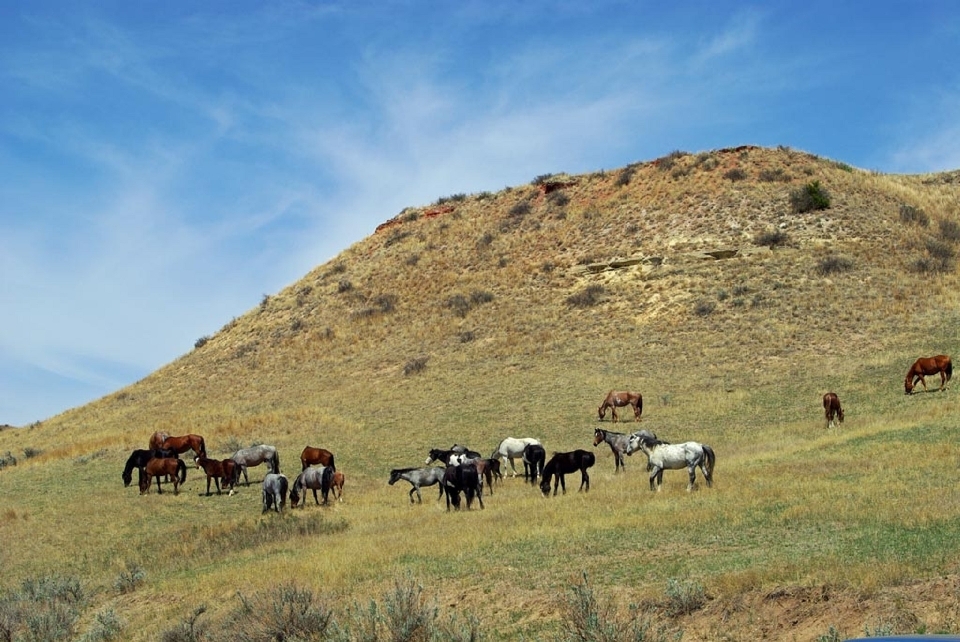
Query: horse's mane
{"points": [[400, 471]]}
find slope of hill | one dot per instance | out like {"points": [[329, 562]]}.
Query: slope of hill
{"points": [[702, 280]]}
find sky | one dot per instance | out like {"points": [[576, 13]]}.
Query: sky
{"points": [[164, 165]]}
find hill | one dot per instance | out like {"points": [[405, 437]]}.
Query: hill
{"points": [[732, 288]]}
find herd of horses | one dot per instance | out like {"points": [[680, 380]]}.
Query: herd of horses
{"points": [[462, 470]]}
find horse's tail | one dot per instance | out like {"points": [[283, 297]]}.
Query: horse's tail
{"points": [[710, 458], [276, 461], [333, 466], [182, 470], [948, 368]]}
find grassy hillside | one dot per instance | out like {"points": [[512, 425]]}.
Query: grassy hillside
{"points": [[695, 279]]}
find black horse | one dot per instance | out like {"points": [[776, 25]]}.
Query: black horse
{"points": [[139, 458], [465, 478], [533, 457], [561, 464]]}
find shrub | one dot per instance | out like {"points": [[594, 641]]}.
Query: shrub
{"points": [[625, 176], [771, 238], [587, 619], [202, 341], [187, 630], [949, 231], [265, 301], [940, 258], [395, 236], [344, 285], [106, 626], [912, 214], [834, 265], [466, 336], [684, 597], [777, 175], [46, 608], [588, 297], [130, 578], [30, 452], [704, 308], [415, 366], [285, 612], [809, 198], [735, 174], [558, 198]]}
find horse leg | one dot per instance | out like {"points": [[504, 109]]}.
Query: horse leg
{"points": [[216, 480], [653, 478], [692, 471], [563, 484], [613, 413], [315, 499], [208, 485], [159, 489]]}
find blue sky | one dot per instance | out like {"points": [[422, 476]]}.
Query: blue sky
{"points": [[163, 165]]}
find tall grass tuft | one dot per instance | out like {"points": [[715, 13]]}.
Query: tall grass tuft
{"points": [[586, 619]]}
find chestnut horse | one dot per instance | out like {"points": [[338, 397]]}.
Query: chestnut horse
{"points": [[156, 440], [336, 485], [312, 456], [217, 469], [159, 467], [832, 409], [185, 443], [618, 399], [939, 364]]}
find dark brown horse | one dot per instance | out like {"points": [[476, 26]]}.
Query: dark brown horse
{"points": [[618, 399], [156, 440], [217, 469], [185, 443], [312, 456], [939, 364], [832, 409], [159, 467]]}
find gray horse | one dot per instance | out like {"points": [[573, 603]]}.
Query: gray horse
{"points": [[274, 492], [418, 477], [619, 444], [254, 456], [315, 478]]}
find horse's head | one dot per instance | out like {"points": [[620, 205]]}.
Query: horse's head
{"points": [[907, 386], [545, 486], [601, 412], [394, 477], [840, 415], [127, 476], [597, 436]]}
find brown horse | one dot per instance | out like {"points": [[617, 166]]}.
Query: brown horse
{"points": [[312, 456], [156, 440], [225, 469], [939, 364], [832, 409], [158, 467], [336, 485], [185, 443], [618, 399]]}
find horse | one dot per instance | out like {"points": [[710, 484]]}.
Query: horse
{"points": [[156, 440], [336, 485], [138, 459], [512, 448], [831, 408], [618, 399], [533, 458], [312, 456], [618, 442], [274, 492], [418, 477], [662, 456], [160, 466], [315, 478], [225, 469], [462, 478], [455, 455], [939, 364], [185, 443], [563, 463], [254, 456]]}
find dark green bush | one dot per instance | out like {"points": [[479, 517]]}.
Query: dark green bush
{"points": [[735, 174], [588, 297], [771, 238], [834, 265], [809, 198]]}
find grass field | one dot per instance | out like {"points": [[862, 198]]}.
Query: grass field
{"points": [[375, 357]]}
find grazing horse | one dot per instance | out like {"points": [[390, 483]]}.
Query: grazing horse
{"points": [[534, 457], [160, 466], [336, 485], [563, 463], [185, 443], [662, 455], [274, 492], [314, 478], [254, 456], [462, 478], [618, 399], [512, 448], [832, 409], [488, 468], [225, 469], [418, 477], [313, 456], [138, 459], [618, 442], [939, 364], [156, 440]]}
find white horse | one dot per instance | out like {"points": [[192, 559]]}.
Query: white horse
{"points": [[662, 456], [512, 448]]}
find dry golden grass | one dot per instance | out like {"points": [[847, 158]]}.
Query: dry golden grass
{"points": [[863, 508]]}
